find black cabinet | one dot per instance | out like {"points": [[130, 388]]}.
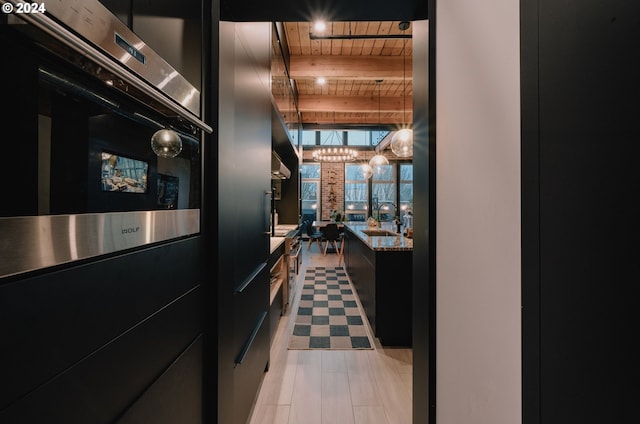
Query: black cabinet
{"points": [[110, 339], [244, 150], [288, 200], [382, 279], [278, 279]]}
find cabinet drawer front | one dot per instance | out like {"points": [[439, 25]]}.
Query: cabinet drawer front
{"points": [[249, 370], [248, 305]]}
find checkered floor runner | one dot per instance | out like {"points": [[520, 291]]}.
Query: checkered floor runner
{"points": [[328, 314]]}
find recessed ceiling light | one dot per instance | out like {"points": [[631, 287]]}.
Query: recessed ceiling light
{"points": [[321, 81], [320, 26]]}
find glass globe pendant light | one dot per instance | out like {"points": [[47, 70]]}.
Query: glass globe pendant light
{"points": [[378, 160], [367, 170], [402, 140], [166, 143], [402, 143]]}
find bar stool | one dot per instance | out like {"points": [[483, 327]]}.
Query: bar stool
{"points": [[314, 235], [340, 254], [331, 234]]}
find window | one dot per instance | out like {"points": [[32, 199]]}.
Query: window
{"points": [[356, 193], [343, 137], [331, 138], [377, 136], [359, 138], [406, 188], [385, 188], [310, 191], [383, 192], [309, 138]]}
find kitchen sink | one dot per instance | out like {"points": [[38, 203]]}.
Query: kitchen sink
{"points": [[378, 232]]}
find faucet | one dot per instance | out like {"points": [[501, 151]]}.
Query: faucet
{"points": [[397, 221]]}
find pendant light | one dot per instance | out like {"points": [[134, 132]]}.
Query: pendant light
{"points": [[378, 159], [166, 143], [367, 170], [402, 140], [335, 154]]}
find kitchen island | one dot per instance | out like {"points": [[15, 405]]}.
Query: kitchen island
{"points": [[379, 264]]}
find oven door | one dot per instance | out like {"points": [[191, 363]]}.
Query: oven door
{"points": [[81, 176]]}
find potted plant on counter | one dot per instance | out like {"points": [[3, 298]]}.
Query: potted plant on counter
{"points": [[336, 216]]}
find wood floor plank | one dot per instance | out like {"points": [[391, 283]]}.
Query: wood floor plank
{"points": [[336, 400], [306, 402], [333, 361], [271, 414], [361, 380], [403, 359], [369, 415], [394, 389], [278, 385]]}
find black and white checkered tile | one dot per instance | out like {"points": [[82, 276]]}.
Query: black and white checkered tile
{"points": [[328, 314]]}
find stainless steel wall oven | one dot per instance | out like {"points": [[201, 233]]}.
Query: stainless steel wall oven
{"points": [[82, 98]]}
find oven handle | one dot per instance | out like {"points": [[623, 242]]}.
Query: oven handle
{"points": [[68, 38]]}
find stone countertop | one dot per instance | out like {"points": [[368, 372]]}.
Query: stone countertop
{"points": [[276, 242], [381, 243], [284, 230]]}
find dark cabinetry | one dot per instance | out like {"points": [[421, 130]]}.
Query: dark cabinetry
{"points": [[124, 333], [244, 147], [278, 266], [360, 261], [383, 280], [288, 200]]}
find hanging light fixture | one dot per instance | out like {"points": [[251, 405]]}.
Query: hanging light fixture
{"points": [[402, 140], [378, 159], [367, 170], [335, 154], [166, 143]]}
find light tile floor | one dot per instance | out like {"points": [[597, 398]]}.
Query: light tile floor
{"points": [[332, 386]]}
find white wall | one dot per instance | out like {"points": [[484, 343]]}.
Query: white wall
{"points": [[478, 212]]}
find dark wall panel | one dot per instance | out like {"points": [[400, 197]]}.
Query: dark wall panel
{"points": [[209, 217], [587, 89], [424, 300]]}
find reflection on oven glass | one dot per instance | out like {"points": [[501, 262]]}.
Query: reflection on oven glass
{"points": [[120, 173]]}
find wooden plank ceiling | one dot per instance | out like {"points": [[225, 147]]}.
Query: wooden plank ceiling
{"points": [[367, 79]]}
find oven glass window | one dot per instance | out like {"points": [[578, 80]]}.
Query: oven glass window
{"points": [[86, 148]]}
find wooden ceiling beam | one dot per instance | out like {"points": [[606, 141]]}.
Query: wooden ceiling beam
{"points": [[346, 104], [350, 67], [365, 119]]}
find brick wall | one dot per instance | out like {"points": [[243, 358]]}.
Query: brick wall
{"points": [[331, 187]]}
